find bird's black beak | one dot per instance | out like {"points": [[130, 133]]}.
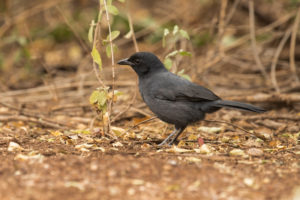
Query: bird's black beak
{"points": [[125, 62]]}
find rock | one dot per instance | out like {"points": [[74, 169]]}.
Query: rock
{"points": [[255, 152]]}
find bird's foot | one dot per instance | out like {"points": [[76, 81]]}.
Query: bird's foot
{"points": [[163, 143], [166, 142], [171, 138]]}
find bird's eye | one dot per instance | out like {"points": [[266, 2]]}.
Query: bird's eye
{"points": [[137, 61]]}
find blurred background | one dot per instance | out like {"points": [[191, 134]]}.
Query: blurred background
{"points": [[239, 48]]}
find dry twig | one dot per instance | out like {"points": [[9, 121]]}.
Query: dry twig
{"points": [[83, 45], [275, 59], [292, 46], [95, 44], [19, 18], [132, 31], [41, 121], [70, 83], [269, 116], [31, 117], [242, 40], [253, 40], [238, 127], [269, 98], [145, 121], [136, 81], [222, 26], [232, 11], [110, 107]]}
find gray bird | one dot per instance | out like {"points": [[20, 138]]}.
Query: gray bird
{"points": [[174, 99]]}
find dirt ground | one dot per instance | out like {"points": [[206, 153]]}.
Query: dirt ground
{"points": [[47, 164]]}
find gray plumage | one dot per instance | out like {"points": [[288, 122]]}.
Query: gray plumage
{"points": [[174, 99]]}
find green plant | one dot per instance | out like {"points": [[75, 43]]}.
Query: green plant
{"points": [[172, 38], [102, 98], [61, 33]]}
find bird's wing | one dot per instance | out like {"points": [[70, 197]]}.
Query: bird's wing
{"points": [[173, 88]]}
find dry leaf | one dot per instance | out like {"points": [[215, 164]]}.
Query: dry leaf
{"points": [[117, 144], [264, 133], [13, 146], [56, 133], [204, 149], [194, 187], [210, 129], [237, 152], [193, 160], [175, 149], [139, 120], [99, 148], [137, 182], [117, 131], [36, 157], [85, 147], [255, 152], [192, 137], [253, 142], [75, 184], [145, 146], [249, 181]]}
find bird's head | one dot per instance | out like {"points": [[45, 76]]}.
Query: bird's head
{"points": [[143, 63]]}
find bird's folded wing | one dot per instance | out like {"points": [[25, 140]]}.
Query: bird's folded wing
{"points": [[178, 89]]}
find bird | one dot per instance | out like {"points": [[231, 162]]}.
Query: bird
{"points": [[173, 99]]}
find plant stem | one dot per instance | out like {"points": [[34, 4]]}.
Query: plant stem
{"points": [[112, 63]]}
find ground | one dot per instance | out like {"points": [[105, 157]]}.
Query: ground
{"points": [[47, 164]]}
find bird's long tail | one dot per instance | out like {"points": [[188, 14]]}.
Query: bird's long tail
{"points": [[238, 105]]}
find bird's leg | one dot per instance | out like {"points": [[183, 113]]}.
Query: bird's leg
{"points": [[178, 132], [167, 139]]}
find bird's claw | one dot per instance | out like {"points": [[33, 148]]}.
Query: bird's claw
{"points": [[166, 142]]}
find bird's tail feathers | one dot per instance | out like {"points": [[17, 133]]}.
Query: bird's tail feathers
{"points": [[238, 105]]}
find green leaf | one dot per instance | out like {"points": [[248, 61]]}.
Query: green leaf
{"points": [[102, 97], [184, 53], [86, 132], [168, 63], [128, 35], [184, 34], [94, 97], [22, 41], [105, 42], [109, 2], [175, 29], [166, 32], [96, 57], [228, 40], [114, 35], [173, 53], [91, 31], [99, 97], [183, 75], [118, 93], [100, 15], [112, 9], [181, 72], [122, 1], [108, 49]]}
